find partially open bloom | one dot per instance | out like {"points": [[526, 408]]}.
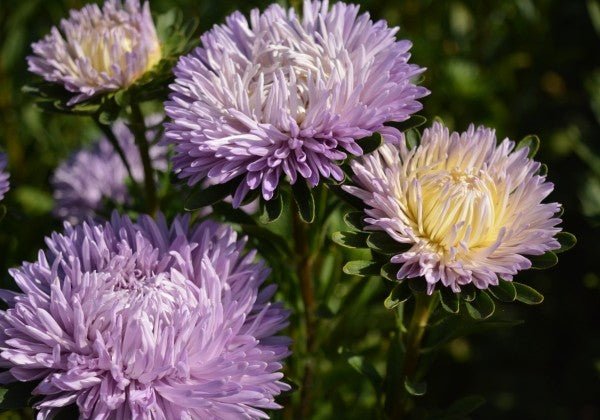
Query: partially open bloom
{"points": [[94, 177], [278, 95], [468, 209], [98, 49], [4, 184], [145, 320]]}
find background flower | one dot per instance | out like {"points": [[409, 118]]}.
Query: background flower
{"points": [[92, 177], [98, 49], [4, 184], [468, 209], [281, 95], [125, 319]]}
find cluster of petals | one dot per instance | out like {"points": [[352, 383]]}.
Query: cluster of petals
{"points": [[94, 177], [145, 320], [469, 210], [98, 49], [4, 176], [278, 95]]}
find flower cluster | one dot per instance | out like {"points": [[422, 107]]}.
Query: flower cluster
{"points": [[278, 95], [98, 50], [95, 176], [126, 319], [4, 183], [469, 209]]}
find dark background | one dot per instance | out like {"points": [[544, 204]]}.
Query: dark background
{"points": [[521, 66]]}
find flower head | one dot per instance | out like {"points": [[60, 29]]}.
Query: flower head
{"points": [[4, 184], [93, 176], [278, 95], [146, 320], [98, 49], [468, 209]]}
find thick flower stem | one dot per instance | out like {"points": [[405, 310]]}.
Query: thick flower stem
{"points": [[139, 131], [304, 269]]}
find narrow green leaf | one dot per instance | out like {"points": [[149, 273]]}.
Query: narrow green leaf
{"points": [[384, 244], [304, 200], [541, 262], [271, 210], [482, 307], [203, 197], [400, 293], [504, 292], [567, 241], [450, 301], [389, 271], [368, 370], [362, 268], [370, 144], [532, 142], [528, 295], [355, 219], [350, 239], [415, 388]]}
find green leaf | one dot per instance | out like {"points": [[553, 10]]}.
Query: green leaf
{"points": [[528, 295], [350, 239], [271, 210], [352, 200], [415, 388], [566, 240], [368, 370], [532, 142], [384, 244], [355, 220], [203, 197], [400, 293], [450, 301], [304, 200], [541, 262], [482, 307], [370, 144], [16, 395], [389, 271], [413, 122], [362, 268], [504, 292]]}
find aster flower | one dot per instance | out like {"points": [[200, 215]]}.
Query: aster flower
{"points": [[146, 320], [93, 177], [4, 184], [468, 210], [98, 49], [278, 95]]}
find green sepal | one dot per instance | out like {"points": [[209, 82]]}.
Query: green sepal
{"points": [[399, 294], [389, 271], [481, 307], [504, 292], [271, 210], [350, 199], [468, 293], [350, 239], [413, 138], [543, 170], [528, 295], [370, 144], [413, 122], [450, 301], [203, 197], [362, 268], [417, 285], [384, 244], [305, 200], [416, 389], [532, 142], [541, 262], [355, 220], [566, 240]]}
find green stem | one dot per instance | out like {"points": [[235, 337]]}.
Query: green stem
{"points": [[304, 269], [112, 139], [139, 131]]}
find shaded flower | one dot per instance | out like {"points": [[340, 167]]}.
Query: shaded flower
{"points": [[280, 95], [146, 320], [4, 176], [98, 49], [468, 209], [94, 177]]}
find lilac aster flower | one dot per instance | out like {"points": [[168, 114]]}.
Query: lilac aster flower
{"points": [[280, 95], [467, 208], [4, 184], [94, 176], [98, 49], [146, 320]]}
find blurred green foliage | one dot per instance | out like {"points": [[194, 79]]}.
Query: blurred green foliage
{"points": [[521, 66]]}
